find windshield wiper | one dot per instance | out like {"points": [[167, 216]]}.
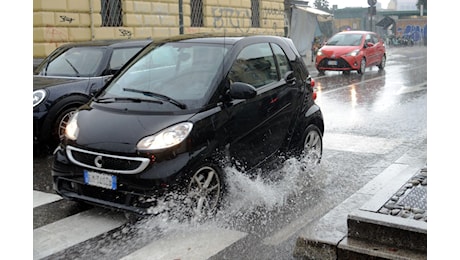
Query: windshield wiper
{"points": [[73, 67], [159, 96], [117, 99]]}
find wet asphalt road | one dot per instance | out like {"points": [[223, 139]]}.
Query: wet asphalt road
{"points": [[370, 121]]}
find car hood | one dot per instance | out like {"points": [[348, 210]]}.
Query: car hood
{"points": [[329, 51], [41, 82], [119, 131]]}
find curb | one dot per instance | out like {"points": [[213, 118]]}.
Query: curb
{"points": [[360, 228]]}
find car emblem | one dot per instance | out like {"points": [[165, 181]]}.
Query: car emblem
{"points": [[98, 161], [333, 56]]}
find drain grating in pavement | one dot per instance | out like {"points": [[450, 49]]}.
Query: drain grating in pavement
{"points": [[416, 198], [410, 201]]}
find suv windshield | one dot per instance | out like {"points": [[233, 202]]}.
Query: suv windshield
{"points": [[183, 72]]}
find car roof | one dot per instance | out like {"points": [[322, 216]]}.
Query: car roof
{"points": [[357, 31], [110, 43], [227, 38]]}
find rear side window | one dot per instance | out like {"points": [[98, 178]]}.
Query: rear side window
{"points": [[121, 56], [254, 65], [282, 60]]}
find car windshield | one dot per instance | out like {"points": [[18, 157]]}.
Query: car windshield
{"points": [[345, 39], [75, 62], [176, 71]]}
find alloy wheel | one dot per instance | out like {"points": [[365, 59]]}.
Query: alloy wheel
{"points": [[204, 191]]}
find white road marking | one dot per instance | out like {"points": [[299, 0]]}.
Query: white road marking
{"points": [[72, 230], [188, 245], [359, 143], [409, 89], [41, 198]]}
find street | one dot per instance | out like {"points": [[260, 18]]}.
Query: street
{"points": [[370, 121]]}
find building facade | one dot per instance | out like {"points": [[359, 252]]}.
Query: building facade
{"points": [[56, 22]]}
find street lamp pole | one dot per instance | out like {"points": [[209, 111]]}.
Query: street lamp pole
{"points": [[371, 10]]}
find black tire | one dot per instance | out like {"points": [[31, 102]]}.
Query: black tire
{"points": [[63, 111], [205, 190], [312, 145], [362, 67], [381, 66]]}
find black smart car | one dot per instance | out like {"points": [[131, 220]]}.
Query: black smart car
{"points": [[178, 112], [67, 79]]}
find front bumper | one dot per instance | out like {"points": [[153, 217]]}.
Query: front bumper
{"points": [[338, 64], [137, 193]]}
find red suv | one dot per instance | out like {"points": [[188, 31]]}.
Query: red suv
{"points": [[351, 50]]}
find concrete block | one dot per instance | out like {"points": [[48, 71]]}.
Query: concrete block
{"points": [[42, 19], [80, 34]]}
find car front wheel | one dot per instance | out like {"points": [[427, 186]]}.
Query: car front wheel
{"points": [[205, 190]]}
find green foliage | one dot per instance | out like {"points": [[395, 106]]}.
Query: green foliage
{"points": [[322, 5]]}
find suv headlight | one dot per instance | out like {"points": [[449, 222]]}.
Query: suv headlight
{"points": [[71, 130], [166, 138], [39, 96]]}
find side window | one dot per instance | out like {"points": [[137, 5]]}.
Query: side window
{"points": [[283, 62], [254, 65], [368, 38], [121, 56]]}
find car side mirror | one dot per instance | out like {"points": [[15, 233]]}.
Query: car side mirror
{"points": [[369, 44], [241, 90], [290, 78]]}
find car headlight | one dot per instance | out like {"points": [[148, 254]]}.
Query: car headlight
{"points": [[319, 53], [71, 130], [39, 96], [168, 137], [354, 53]]}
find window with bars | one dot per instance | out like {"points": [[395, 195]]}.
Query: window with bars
{"points": [[111, 13], [196, 18], [255, 21]]}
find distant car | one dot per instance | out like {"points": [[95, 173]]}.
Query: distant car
{"points": [[67, 79], [172, 119], [351, 50]]}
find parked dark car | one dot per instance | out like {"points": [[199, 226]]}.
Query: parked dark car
{"points": [[351, 50], [67, 79], [172, 118]]}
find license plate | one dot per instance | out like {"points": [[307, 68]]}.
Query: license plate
{"points": [[332, 63], [102, 180]]}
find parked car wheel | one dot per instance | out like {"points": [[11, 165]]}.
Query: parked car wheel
{"points": [[312, 149], [381, 66], [63, 117], [362, 68], [205, 190]]}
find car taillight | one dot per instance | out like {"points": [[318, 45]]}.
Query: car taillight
{"points": [[312, 85]]}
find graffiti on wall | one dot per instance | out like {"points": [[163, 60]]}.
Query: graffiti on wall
{"points": [[126, 33], [417, 33], [227, 17], [55, 34], [240, 20], [65, 18]]}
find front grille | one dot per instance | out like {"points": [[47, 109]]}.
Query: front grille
{"points": [[132, 201], [107, 162]]}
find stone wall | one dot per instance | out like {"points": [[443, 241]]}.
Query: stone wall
{"points": [[56, 22]]}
